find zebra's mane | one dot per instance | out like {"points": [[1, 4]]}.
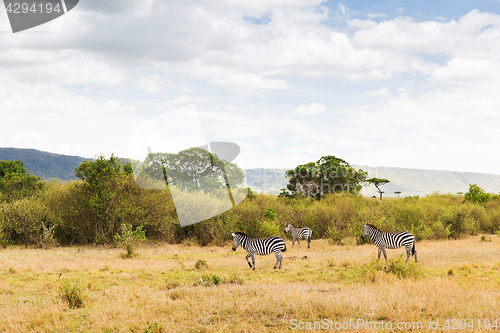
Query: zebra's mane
{"points": [[240, 233], [374, 227]]}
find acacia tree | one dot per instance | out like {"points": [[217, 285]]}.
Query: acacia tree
{"points": [[378, 182], [329, 174], [193, 169]]}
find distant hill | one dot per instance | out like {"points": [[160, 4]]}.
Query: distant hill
{"points": [[44, 164], [408, 181]]}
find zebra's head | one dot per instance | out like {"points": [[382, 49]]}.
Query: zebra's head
{"points": [[236, 241], [365, 230], [287, 227]]}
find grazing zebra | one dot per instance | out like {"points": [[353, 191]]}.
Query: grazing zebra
{"points": [[260, 246], [299, 233], [390, 240]]}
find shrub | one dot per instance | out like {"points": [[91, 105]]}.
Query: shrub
{"points": [[399, 268], [153, 328], [71, 293], [47, 239], [200, 264], [214, 280], [129, 239]]}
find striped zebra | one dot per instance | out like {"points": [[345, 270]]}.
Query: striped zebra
{"points": [[260, 246], [390, 240], [299, 233]]}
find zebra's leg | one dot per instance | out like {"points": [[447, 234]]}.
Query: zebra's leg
{"points": [[379, 251], [293, 240], [408, 252], [298, 241], [309, 243], [279, 259], [385, 254], [415, 254], [253, 261], [248, 256]]}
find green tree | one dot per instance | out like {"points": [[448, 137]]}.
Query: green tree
{"points": [[101, 178], [476, 194], [378, 182], [193, 169], [329, 174], [16, 182]]}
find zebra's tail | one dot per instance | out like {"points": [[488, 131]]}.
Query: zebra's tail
{"points": [[413, 248], [284, 248], [310, 234]]}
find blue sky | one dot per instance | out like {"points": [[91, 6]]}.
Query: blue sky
{"points": [[401, 83]]}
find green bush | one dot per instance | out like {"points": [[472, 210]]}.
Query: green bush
{"points": [[71, 293], [129, 239], [398, 267]]}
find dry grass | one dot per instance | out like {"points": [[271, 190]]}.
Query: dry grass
{"points": [[161, 290]]}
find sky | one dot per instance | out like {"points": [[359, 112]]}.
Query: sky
{"points": [[413, 84]]}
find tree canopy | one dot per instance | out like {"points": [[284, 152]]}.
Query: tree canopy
{"points": [[476, 194], [329, 174], [193, 169], [100, 178], [378, 182], [16, 182]]}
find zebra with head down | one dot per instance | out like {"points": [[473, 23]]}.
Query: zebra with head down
{"points": [[299, 233]]}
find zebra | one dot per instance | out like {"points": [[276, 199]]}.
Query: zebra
{"points": [[390, 240], [260, 246], [299, 233]]}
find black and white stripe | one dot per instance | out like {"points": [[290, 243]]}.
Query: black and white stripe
{"points": [[393, 240], [260, 246], [299, 233]]}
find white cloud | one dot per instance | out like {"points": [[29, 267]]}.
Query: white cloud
{"points": [[93, 78], [269, 142], [460, 70], [63, 67], [150, 84], [247, 83], [372, 16], [382, 92], [453, 130], [114, 107], [343, 12], [46, 117], [311, 109], [474, 36]]}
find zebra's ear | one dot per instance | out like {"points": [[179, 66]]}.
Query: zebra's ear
{"points": [[233, 234]]}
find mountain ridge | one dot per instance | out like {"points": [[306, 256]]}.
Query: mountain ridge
{"points": [[44, 164], [409, 181]]}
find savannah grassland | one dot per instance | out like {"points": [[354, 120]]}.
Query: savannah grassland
{"points": [[163, 289]]}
